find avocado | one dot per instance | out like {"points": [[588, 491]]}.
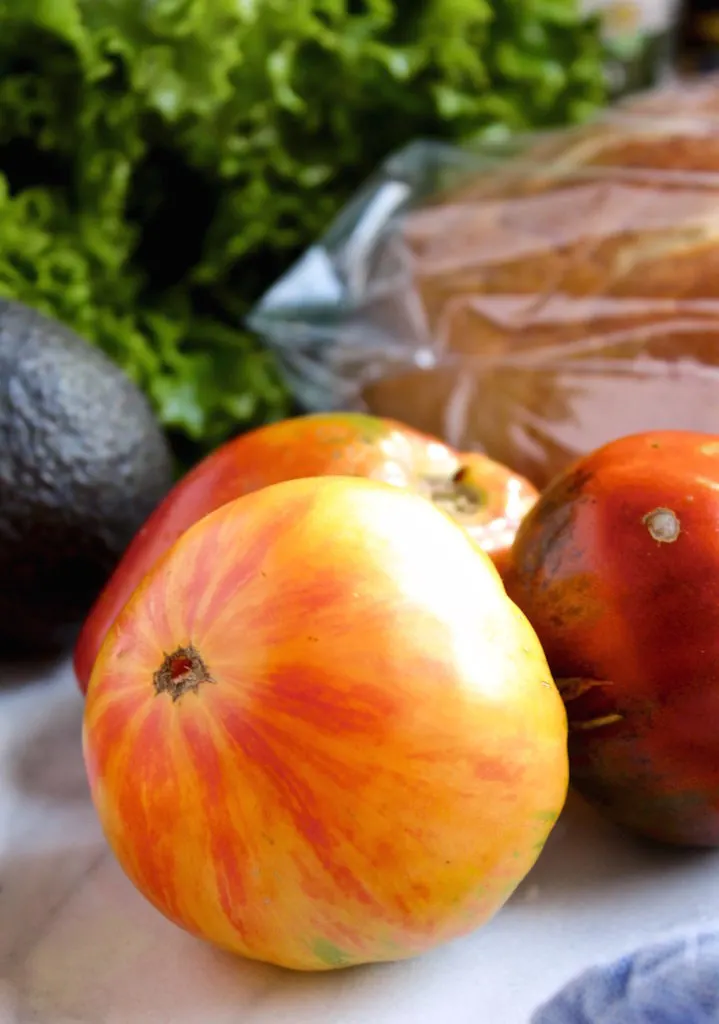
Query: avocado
{"points": [[83, 462]]}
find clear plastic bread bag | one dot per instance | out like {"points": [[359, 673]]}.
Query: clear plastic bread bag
{"points": [[532, 299]]}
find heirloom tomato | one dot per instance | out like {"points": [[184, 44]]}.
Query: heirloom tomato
{"points": [[486, 497], [617, 569], [320, 734]]}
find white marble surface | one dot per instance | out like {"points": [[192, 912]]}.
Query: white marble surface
{"points": [[79, 946]]}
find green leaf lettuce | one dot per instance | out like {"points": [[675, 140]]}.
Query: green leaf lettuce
{"points": [[163, 161]]}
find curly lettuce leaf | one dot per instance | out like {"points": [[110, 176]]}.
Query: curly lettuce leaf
{"points": [[162, 163]]}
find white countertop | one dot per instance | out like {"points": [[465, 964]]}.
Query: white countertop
{"points": [[78, 945]]}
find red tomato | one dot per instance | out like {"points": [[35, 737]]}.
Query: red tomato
{"points": [[617, 569], [319, 733], [486, 497]]}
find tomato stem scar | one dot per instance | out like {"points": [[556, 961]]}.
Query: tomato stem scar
{"points": [[663, 525], [181, 671], [458, 494]]}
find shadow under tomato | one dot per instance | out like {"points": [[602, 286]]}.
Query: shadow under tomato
{"points": [[587, 857], [46, 759], [78, 943], [75, 939]]}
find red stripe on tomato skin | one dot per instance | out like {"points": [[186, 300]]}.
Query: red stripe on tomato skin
{"points": [[296, 729], [180, 597], [112, 673], [298, 800], [392, 904], [315, 696], [147, 802], [106, 719], [501, 768], [187, 591], [154, 623], [116, 687], [336, 778], [239, 639], [341, 770], [349, 769], [300, 611], [228, 854], [242, 564]]}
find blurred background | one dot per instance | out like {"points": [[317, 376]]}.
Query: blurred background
{"points": [[162, 164]]}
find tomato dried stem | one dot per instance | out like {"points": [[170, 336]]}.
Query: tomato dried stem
{"points": [[181, 672], [458, 494], [663, 525]]}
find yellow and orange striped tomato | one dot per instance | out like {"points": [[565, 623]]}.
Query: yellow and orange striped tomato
{"points": [[320, 734]]}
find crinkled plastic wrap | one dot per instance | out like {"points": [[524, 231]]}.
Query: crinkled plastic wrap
{"points": [[532, 299]]}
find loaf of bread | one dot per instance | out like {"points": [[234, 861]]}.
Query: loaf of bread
{"points": [[570, 295]]}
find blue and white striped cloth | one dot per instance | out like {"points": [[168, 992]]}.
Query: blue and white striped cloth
{"points": [[673, 982]]}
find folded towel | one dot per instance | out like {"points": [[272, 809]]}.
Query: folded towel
{"points": [[673, 982]]}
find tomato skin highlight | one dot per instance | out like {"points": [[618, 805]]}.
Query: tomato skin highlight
{"points": [[338, 444], [374, 753], [617, 569]]}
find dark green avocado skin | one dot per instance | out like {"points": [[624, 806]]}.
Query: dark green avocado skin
{"points": [[83, 462]]}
